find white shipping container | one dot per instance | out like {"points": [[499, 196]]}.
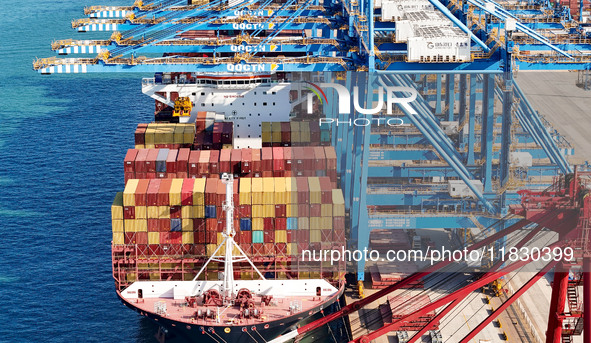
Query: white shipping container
{"points": [[393, 10], [412, 20], [439, 44]]}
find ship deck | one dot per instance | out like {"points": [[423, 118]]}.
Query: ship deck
{"points": [[179, 310]]}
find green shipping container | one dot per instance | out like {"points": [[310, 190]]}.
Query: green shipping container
{"points": [[258, 237]]}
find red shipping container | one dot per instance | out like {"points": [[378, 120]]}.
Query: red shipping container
{"points": [[203, 166], [269, 236], [139, 135], [163, 225], [217, 133], [314, 132], [246, 238], [280, 211], [255, 155], [338, 236], [303, 191], [267, 173], [319, 158], [278, 161], [297, 156], [141, 176], [193, 166], [152, 193], [182, 160], [129, 238], [161, 175], [211, 224], [153, 225], [150, 176], [128, 176], [225, 161], [163, 192], [211, 237], [129, 160], [198, 224], [269, 248], [175, 212], [331, 158], [211, 188], [291, 236], [219, 212], [151, 160], [287, 157], [315, 210], [303, 210], [266, 159], [280, 248], [268, 224], [154, 250], [221, 225], [141, 198], [281, 224], [285, 133], [325, 190], [303, 236], [128, 212], [187, 192], [326, 235], [141, 238], [214, 159], [245, 211], [338, 223], [221, 195], [258, 249], [171, 161], [140, 161], [199, 237], [246, 161], [198, 249], [175, 237], [235, 161]]}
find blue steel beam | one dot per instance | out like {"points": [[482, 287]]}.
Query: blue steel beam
{"points": [[413, 221]]}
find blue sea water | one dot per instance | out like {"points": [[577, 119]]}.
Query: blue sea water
{"points": [[62, 143]]}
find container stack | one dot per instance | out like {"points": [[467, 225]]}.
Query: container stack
{"points": [[175, 218], [164, 135], [266, 162], [294, 133]]}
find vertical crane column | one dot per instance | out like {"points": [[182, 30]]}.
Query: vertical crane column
{"points": [[347, 147], [357, 227], [487, 133], [438, 95], [462, 110], [472, 119], [506, 130], [557, 303], [450, 96]]}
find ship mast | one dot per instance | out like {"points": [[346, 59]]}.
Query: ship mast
{"points": [[229, 243]]}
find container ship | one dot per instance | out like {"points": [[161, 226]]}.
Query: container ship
{"points": [[223, 192]]}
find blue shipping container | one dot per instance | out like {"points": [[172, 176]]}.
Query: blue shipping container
{"points": [[161, 160], [210, 211], [175, 224], [292, 223], [245, 224]]}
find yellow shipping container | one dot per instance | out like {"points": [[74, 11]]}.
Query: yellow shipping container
{"points": [[268, 211], [117, 207], [326, 223], [131, 277], [118, 238], [188, 237], [179, 132], [268, 190], [117, 225], [153, 212], [305, 136], [175, 192], [129, 225], [276, 136], [280, 236], [163, 212], [244, 191], [280, 194], [246, 276], [326, 210], [210, 248], [258, 224], [303, 223], [139, 146], [291, 210], [315, 193], [187, 225], [149, 136], [266, 136], [291, 190], [315, 223], [187, 212], [315, 236], [220, 238], [315, 275], [141, 225], [199, 211], [257, 191], [129, 192], [295, 137], [153, 237], [141, 212], [292, 248], [198, 192], [189, 134], [338, 203], [258, 211]]}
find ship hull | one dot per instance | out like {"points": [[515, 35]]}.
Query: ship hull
{"points": [[265, 331]]}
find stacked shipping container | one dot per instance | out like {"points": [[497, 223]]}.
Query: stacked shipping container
{"points": [[274, 216], [303, 133]]}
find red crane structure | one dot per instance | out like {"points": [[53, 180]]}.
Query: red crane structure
{"points": [[564, 208]]}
